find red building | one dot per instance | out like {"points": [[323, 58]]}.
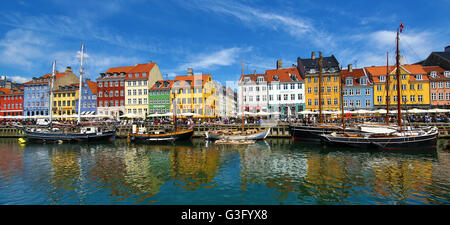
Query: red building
{"points": [[111, 91], [11, 101]]}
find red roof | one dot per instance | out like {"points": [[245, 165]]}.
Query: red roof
{"points": [[138, 68], [162, 87], [356, 74], [57, 76], [253, 77], [193, 80], [284, 75], [5, 90], [381, 71], [123, 69], [439, 72], [93, 86]]}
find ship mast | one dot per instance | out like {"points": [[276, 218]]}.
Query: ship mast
{"points": [[320, 87], [342, 99], [242, 96], [387, 89], [52, 78], [399, 113], [81, 83]]}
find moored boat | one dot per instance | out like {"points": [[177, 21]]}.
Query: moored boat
{"points": [[238, 135], [161, 136]]}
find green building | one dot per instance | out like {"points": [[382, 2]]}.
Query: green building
{"points": [[159, 97]]}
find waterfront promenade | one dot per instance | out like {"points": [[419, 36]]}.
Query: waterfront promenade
{"points": [[281, 130]]}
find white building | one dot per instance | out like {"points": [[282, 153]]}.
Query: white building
{"points": [[252, 93]]}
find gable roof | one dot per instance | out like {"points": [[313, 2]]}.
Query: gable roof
{"points": [[356, 75], [93, 86], [328, 62], [253, 77], [57, 76], [193, 79], [284, 75]]}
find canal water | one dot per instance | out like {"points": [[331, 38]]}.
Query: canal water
{"points": [[275, 171]]}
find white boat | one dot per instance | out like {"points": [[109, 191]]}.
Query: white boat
{"points": [[248, 135]]}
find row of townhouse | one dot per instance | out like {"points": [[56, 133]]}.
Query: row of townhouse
{"points": [[284, 92], [192, 94]]}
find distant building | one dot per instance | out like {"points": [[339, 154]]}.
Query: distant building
{"points": [[5, 83], [11, 101], [357, 89], [441, 59], [65, 100], [252, 93]]}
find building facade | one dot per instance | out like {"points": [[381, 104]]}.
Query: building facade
{"points": [[357, 89], [286, 92], [159, 97], [194, 94], [65, 101], [138, 81], [111, 92], [439, 86], [330, 90], [89, 98], [37, 92], [414, 86], [252, 93], [11, 101]]}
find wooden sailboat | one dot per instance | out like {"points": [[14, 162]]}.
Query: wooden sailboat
{"points": [[398, 138], [154, 136], [226, 136], [68, 133]]}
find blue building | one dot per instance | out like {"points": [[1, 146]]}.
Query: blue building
{"points": [[357, 89], [89, 97], [37, 92]]}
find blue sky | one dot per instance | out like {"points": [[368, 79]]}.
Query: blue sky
{"points": [[213, 36]]}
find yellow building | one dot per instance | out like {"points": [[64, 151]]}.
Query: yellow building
{"points": [[414, 86], [194, 94], [65, 101], [309, 71]]}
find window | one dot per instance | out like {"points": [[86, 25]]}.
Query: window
{"points": [[335, 89], [292, 96], [419, 87], [358, 91], [350, 92], [447, 96], [309, 101], [411, 86], [412, 98], [363, 81], [270, 97], [420, 98], [309, 90], [316, 89], [358, 103], [441, 96], [335, 101], [441, 84], [285, 97], [329, 89], [403, 87], [329, 101], [419, 77], [367, 103], [300, 97], [349, 81], [367, 91], [316, 101], [345, 103], [383, 78]]}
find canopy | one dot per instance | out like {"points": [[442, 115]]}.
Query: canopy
{"points": [[307, 112], [130, 115], [415, 110], [437, 110]]}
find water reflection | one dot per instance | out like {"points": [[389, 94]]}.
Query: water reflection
{"points": [[275, 171]]}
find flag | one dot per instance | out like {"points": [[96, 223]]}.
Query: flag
{"points": [[401, 27]]}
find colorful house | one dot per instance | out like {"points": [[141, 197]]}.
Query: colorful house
{"points": [[111, 92], [286, 92], [414, 86], [65, 100], [159, 97], [36, 92], [89, 98], [439, 86], [357, 89], [330, 92], [11, 101], [252, 93], [194, 94]]}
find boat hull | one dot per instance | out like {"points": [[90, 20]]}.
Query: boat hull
{"points": [[55, 136], [169, 137], [312, 133], [256, 136], [388, 143]]}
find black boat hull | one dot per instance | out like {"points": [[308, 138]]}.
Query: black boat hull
{"points": [[312, 133], [397, 143], [68, 137]]}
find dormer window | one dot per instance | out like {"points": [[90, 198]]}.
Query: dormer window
{"points": [[447, 73], [419, 77], [130, 75], [363, 81], [260, 79], [332, 70], [247, 79], [158, 84], [293, 77], [275, 78], [312, 70], [433, 74], [349, 81], [383, 78]]}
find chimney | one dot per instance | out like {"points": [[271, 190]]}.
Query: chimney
{"points": [[313, 55], [68, 69], [400, 60], [136, 64], [190, 72], [447, 49], [350, 68], [149, 61], [279, 64]]}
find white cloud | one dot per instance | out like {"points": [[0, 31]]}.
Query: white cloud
{"points": [[18, 79]]}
